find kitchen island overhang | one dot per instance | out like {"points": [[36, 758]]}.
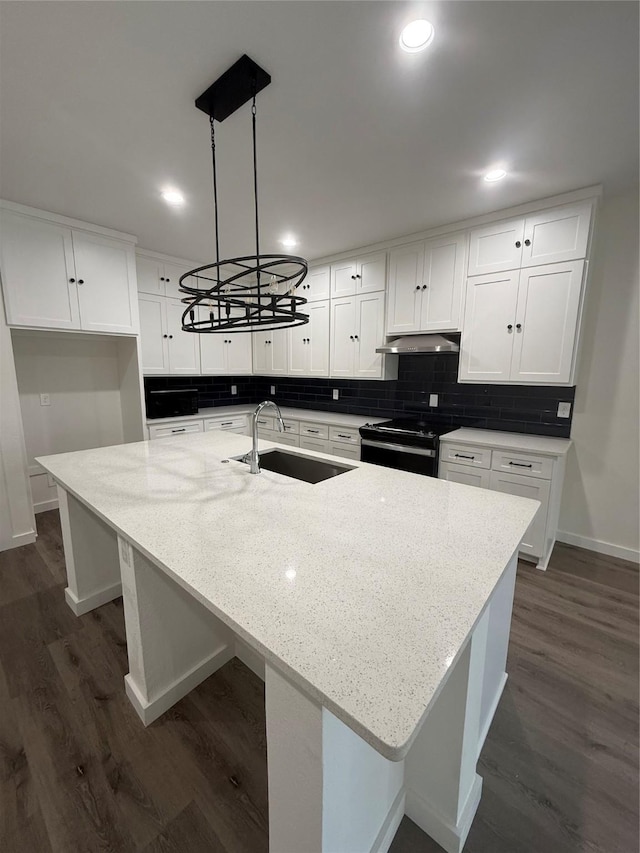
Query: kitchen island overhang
{"points": [[364, 594]]}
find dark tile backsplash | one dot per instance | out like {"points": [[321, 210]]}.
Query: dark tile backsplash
{"points": [[512, 408]]}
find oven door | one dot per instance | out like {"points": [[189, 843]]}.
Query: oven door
{"points": [[418, 460]]}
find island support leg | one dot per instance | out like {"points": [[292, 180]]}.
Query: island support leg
{"points": [[173, 641], [91, 556], [329, 790]]}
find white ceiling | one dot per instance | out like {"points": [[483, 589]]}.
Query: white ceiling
{"points": [[358, 141]]}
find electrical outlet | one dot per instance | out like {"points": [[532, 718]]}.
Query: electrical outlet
{"points": [[564, 410], [336, 394], [234, 390], [273, 390], [433, 400], [45, 400]]}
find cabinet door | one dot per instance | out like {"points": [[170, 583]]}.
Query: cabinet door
{"points": [[172, 273], [107, 294], [213, 353], [318, 339], [150, 275], [556, 235], [406, 266], [527, 487], [443, 283], [496, 247], [487, 340], [153, 334], [261, 353], [343, 332], [370, 334], [343, 278], [316, 444], [546, 323], [298, 350], [37, 268], [184, 347], [317, 284], [278, 347], [238, 360], [335, 448], [371, 273], [480, 477]]}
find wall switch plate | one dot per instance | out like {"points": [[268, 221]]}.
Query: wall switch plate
{"points": [[433, 400], [234, 389], [273, 389], [45, 400], [564, 410], [336, 394]]}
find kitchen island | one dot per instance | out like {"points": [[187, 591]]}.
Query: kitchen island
{"points": [[376, 605]]}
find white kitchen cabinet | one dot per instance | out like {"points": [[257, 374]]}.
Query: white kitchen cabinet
{"points": [[59, 277], [153, 335], [308, 345], [527, 487], [357, 328], [521, 326], [550, 236], [317, 444], [317, 284], [231, 423], [175, 428], [366, 274], [480, 477], [270, 352], [426, 285], [336, 448], [184, 347], [159, 276], [225, 355]]}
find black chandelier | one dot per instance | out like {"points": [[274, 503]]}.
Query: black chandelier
{"points": [[253, 291]]}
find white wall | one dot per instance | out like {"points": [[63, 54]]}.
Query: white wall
{"points": [[17, 525], [82, 376], [600, 503]]}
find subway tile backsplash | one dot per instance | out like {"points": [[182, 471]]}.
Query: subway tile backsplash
{"points": [[512, 408]]}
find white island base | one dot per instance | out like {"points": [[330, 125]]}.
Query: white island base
{"points": [[330, 791]]}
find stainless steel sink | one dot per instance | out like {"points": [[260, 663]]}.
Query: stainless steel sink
{"points": [[299, 467]]}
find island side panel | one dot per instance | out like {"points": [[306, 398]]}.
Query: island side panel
{"points": [[91, 556], [329, 790], [173, 641]]}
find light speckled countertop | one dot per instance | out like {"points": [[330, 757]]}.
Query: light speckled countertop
{"points": [[362, 589], [335, 418], [522, 442]]}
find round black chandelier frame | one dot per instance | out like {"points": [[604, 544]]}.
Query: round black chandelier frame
{"points": [[250, 292]]}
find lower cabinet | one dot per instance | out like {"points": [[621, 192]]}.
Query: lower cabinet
{"points": [[480, 477], [174, 428], [527, 487], [234, 423]]}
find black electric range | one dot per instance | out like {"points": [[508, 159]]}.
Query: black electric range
{"points": [[408, 444]]}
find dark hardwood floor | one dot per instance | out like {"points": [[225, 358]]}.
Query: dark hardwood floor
{"points": [[78, 772]]}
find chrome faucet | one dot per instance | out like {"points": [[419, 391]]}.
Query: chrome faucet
{"points": [[254, 457]]}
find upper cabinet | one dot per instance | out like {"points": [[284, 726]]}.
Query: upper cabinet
{"points": [[367, 274], [270, 352], [426, 285], [548, 237], [159, 276], [357, 328], [521, 326], [308, 345], [166, 349], [55, 276], [317, 284], [224, 353]]}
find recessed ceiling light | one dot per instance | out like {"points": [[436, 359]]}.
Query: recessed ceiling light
{"points": [[173, 197], [495, 175], [289, 241], [416, 36]]}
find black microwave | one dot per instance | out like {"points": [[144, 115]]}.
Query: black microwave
{"points": [[169, 403]]}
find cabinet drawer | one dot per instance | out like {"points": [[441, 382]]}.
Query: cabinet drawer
{"points": [[348, 435], [292, 427], [314, 430], [232, 423], [285, 438], [167, 430], [342, 449], [523, 463], [462, 454], [479, 477], [314, 444], [265, 422]]}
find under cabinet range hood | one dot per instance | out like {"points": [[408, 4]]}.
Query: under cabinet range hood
{"points": [[415, 344]]}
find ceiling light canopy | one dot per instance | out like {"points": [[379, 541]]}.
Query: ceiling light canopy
{"points": [[254, 290], [495, 175], [173, 197], [416, 36]]}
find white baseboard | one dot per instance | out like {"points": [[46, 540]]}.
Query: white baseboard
{"points": [[451, 837], [150, 710], [19, 540], [492, 712], [390, 825], [45, 506], [598, 546], [80, 606]]}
